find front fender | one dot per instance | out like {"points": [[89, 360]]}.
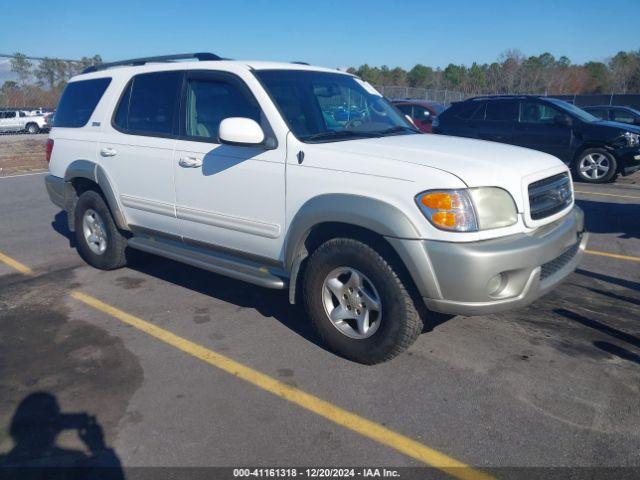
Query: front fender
{"points": [[369, 213]]}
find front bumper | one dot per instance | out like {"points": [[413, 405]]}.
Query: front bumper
{"points": [[628, 159], [453, 278]]}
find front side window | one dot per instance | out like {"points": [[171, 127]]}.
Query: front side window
{"points": [[209, 102], [572, 110], [149, 104], [502, 110], [78, 102], [321, 106], [620, 115], [534, 112]]}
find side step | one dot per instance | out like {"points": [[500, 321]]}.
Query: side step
{"points": [[239, 269]]}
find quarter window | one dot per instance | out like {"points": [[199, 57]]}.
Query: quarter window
{"points": [[209, 102], [149, 104], [78, 102]]}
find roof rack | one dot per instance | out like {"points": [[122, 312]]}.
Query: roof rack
{"points": [[300, 63], [163, 58]]}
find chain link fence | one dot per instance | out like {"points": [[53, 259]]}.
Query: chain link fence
{"points": [[445, 97]]}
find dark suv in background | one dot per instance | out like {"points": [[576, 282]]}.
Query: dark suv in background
{"points": [[596, 150]]}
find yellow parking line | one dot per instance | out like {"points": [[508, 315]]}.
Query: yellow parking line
{"points": [[607, 194], [7, 260], [327, 410], [613, 255]]}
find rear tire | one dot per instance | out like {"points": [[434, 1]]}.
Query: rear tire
{"points": [[395, 327], [595, 165], [32, 128], [99, 241]]}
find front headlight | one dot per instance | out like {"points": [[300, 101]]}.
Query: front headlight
{"points": [[633, 139], [468, 210]]}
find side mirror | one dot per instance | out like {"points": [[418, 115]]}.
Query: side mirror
{"points": [[241, 132]]}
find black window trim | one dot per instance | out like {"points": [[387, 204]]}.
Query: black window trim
{"points": [[270, 141], [140, 133], [106, 87]]}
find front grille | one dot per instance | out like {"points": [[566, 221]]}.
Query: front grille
{"points": [[559, 262], [550, 195]]}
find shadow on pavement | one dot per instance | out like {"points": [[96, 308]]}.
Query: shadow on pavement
{"points": [[588, 322], [608, 217], [607, 278], [617, 351], [34, 428]]}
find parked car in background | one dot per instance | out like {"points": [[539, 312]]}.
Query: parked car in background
{"points": [[615, 113], [20, 121], [48, 120], [421, 112], [369, 224], [596, 150]]}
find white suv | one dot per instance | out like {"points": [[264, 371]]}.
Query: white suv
{"points": [[303, 178]]}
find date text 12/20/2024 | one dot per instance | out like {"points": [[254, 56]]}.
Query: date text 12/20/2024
{"points": [[315, 473]]}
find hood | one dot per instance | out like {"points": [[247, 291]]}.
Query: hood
{"points": [[477, 163], [616, 126]]}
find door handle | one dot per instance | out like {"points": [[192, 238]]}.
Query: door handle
{"points": [[190, 162], [108, 152]]}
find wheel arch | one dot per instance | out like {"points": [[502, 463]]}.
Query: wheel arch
{"points": [[82, 175], [342, 215]]}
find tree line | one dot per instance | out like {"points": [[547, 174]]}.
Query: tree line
{"points": [[40, 83], [514, 72]]}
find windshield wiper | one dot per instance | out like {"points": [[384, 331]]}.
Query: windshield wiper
{"points": [[398, 129], [338, 134]]}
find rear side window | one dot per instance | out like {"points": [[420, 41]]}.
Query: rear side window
{"points": [[502, 110], [78, 102], [148, 105], [406, 109], [466, 110], [601, 113]]}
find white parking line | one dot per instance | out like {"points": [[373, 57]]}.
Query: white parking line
{"points": [[23, 175]]}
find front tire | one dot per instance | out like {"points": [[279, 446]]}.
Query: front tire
{"points": [[99, 241], [357, 302], [596, 165]]}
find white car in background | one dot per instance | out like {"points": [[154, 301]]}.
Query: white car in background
{"points": [[21, 121]]}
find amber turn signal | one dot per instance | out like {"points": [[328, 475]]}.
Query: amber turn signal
{"points": [[439, 201]]}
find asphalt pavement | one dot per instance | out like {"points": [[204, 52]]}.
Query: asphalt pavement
{"points": [[555, 384]]}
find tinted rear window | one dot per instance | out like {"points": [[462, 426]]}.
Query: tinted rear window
{"points": [[502, 110], [78, 102], [465, 110], [149, 104]]}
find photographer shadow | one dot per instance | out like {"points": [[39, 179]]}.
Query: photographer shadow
{"points": [[34, 428]]}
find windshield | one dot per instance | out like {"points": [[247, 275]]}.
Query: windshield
{"points": [[329, 107], [575, 111]]}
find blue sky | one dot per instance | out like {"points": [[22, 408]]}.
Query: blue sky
{"points": [[324, 32]]}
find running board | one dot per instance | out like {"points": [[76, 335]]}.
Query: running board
{"points": [[239, 269]]}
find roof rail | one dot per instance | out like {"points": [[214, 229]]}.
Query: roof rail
{"points": [[300, 63], [163, 58]]}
